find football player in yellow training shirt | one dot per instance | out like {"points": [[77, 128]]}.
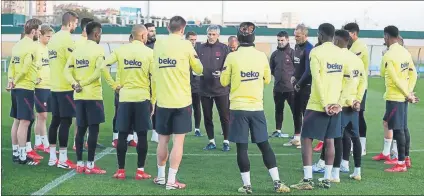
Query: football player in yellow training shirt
{"points": [[22, 77], [400, 79], [135, 101], [82, 70], [173, 57], [247, 70], [354, 84], [360, 49], [42, 94], [322, 117], [60, 47]]}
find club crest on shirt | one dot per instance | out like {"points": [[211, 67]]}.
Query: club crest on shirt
{"points": [[217, 54]]}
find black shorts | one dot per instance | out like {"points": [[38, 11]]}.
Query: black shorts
{"points": [[89, 112], [243, 121], [395, 115], [406, 116], [320, 126], [173, 120], [134, 116], [116, 99], [42, 99], [350, 116], [22, 104], [364, 100], [63, 104]]}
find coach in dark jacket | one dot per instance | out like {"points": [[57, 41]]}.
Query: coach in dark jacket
{"points": [[212, 54], [282, 68]]}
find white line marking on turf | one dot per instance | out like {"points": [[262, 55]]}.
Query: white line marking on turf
{"points": [[218, 155], [68, 175]]}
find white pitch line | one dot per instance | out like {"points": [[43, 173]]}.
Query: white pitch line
{"points": [[68, 175], [220, 155]]}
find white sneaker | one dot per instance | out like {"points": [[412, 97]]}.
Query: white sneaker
{"points": [[364, 153], [52, 162], [335, 180], [155, 137]]}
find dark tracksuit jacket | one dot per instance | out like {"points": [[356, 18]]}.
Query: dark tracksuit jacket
{"points": [[213, 57], [282, 68], [195, 95], [303, 77]]}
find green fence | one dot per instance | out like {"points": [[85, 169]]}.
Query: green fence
{"points": [[232, 31]]}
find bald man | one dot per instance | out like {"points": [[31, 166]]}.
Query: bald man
{"points": [[136, 103], [233, 43]]}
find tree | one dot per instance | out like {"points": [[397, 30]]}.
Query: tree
{"points": [[206, 21]]}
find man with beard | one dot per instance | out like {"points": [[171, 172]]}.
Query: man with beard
{"points": [[22, 77], [151, 39], [301, 80], [281, 63], [212, 54], [60, 47]]}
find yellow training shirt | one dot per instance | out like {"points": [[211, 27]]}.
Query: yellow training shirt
{"points": [[173, 57], [80, 42], [400, 73], [24, 65], [44, 69], [355, 83], [247, 69], [328, 67], [85, 65], [60, 48], [360, 49], [135, 66]]}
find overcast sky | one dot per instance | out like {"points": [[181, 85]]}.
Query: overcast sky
{"points": [[406, 15]]}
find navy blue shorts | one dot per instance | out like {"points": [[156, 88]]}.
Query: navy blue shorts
{"points": [[350, 116], [406, 116], [89, 112], [364, 100], [134, 116], [22, 104], [320, 126], [63, 104], [243, 121], [173, 120], [42, 99], [395, 115]]}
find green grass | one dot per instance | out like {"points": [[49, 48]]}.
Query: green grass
{"points": [[216, 173]]}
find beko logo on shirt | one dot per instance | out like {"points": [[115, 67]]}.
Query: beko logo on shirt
{"points": [[249, 76], [167, 62], [45, 62], [132, 64], [16, 60], [333, 68], [52, 54], [404, 66], [82, 63]]}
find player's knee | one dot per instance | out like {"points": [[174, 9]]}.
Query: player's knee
{"points": [[42, 116], [15, 122], [24, 123]]}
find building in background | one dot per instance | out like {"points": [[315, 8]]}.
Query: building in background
{"points": [[13, 7], [130, 15], [289, 20], [109, 14]]}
